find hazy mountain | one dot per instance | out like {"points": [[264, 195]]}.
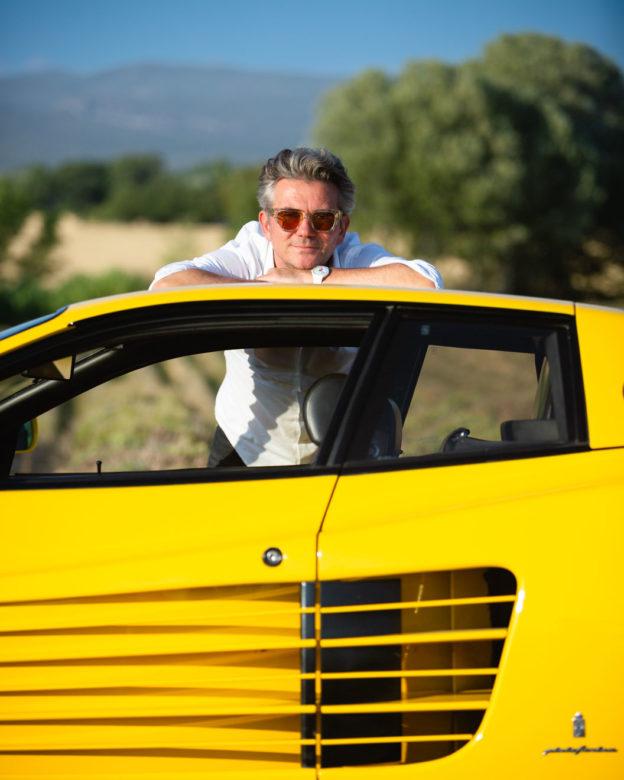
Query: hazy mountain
{"points": [[183, 113]]}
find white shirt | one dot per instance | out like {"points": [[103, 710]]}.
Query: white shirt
{"points": [[259, 403], [250, 254]]}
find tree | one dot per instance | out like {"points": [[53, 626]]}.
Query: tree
{"points": [[579, 152], [359, 121], [513, 161], [205, 183], [21, 296], [80, 186], [238, 194], [14, 208]]}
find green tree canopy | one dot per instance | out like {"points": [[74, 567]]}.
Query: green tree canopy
{"points": [[15, 205], [513, 161]]}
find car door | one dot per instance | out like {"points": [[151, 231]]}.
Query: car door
{"points": [[448, 548], [152, 614]]}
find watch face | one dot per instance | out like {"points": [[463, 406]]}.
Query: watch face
{"points": [[320, 272]]}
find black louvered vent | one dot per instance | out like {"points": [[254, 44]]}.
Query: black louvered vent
{"points": [[259, 677], [406, 665]]}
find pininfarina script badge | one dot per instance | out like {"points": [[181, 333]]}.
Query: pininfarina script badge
{"points": [[577, 750], [578, 730]]}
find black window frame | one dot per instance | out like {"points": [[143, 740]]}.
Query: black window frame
{"points": [[175, 330], [380, 323], [393, 344]]}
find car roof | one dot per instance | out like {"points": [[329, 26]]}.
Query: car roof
{"points": [[68, 316]]}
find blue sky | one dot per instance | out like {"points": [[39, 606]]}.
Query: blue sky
{"points": [[332, 37]]}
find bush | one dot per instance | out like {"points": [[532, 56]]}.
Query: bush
{"points": [[28, 299], [82, 287]]}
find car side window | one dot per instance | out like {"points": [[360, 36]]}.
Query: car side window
{"points": [[158, 417], [469, 392], [121, 412], [471, 389]]}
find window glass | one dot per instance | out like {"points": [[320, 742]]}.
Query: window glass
{"points": [[13, 384], [239, 407], [157, 417], [464, 388], [472, 389]]}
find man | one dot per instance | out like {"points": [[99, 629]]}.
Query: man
{"points": [[306, 197]]}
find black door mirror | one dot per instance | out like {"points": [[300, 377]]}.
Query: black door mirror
{"points": [[27, 437]]}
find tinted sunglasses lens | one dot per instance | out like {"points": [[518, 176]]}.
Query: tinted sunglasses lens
{"points": [[288, 220], [323, 220]]}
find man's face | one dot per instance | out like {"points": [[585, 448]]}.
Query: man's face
{"points": [[304, 247]]}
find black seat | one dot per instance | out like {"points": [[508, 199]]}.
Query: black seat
{"points": [[318, 407], [319, 404], [529, 430]]}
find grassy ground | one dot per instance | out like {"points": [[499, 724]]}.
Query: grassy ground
{"points": [[159, 417], [93, 247], [467, 388]]}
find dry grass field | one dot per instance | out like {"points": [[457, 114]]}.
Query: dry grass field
{"points": [[158, 417], [92, 247]]}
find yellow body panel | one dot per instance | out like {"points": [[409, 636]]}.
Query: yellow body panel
{"points": [[601, 343], [180, 536], [537, 518], [151, 620], [144, 635]]}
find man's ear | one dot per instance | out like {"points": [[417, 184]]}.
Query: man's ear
{"points": [[345, 220], [263, 218]]}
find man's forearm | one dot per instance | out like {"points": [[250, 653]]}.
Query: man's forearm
{"points": [[392, 275], [193, 276]]}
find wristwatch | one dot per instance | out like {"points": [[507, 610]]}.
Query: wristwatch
{"points": [[319, 273]]}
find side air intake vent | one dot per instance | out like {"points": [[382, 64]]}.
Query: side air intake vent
{"points": [[166, 682], [256, 677], [407, 665]]}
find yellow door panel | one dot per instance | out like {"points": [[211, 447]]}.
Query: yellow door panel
{"points": [[143, 631], [443, 551], [601, 336], [119, 540]]}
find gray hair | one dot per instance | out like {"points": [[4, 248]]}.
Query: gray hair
{"points": [[310, 165]]}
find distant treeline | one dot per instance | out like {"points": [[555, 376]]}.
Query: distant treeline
{"points": [[140, 187], [131, 188]]}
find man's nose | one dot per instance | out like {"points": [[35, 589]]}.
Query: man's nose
{"points": [[305, 226]]}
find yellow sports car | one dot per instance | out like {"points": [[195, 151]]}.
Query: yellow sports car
{"points": [[429, 587]]}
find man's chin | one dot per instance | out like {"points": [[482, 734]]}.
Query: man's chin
{"points": [[300, 259], [306, 263], [303, 264]]}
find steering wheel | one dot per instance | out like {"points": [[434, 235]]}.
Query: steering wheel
{"points": [[454, 439]]}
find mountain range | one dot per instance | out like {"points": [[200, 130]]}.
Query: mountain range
{"points": [[184, 114]]}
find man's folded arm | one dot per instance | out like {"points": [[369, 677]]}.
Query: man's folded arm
{"points": [[193, 276], [391, 275]]}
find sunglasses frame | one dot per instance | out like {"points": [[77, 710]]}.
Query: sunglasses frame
{"points": [[309, 215]]}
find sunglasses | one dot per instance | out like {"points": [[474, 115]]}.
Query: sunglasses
{"points": [[321, 221]]}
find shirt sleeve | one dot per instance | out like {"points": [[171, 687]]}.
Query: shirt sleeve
{"points": [[352, 254], [240, 258]]}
